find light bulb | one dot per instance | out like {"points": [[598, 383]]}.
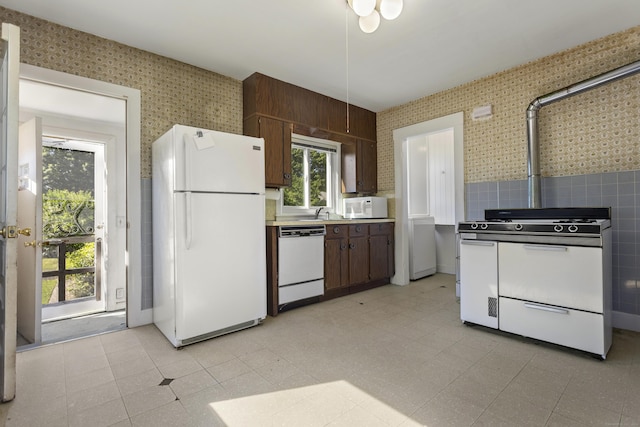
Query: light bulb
{"points": [[369, 24], [362, 7], [390, 9]]}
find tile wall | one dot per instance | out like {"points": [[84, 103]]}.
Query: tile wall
{"points": [[618, 190]]}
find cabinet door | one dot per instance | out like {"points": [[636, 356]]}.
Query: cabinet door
{"points": [[367, 167], [479, 282], [349, 174], [381, 250], [277, 152], [336, 263], [358, 260], [378, 257], [359, 167]]}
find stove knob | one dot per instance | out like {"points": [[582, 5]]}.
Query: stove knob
{"points": [[474, 225], [518, 227], [484, 226], [573, 228], [558, 228]]}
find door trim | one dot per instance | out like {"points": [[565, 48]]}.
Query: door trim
{"points": [[136, 316], [400, 136]]}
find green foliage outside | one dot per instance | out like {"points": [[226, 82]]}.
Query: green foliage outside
{"points": [[66, 213], [81, 284], [317, 167], [70, 170], [68, 210]]}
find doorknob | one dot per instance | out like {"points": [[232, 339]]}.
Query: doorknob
{"points": [[31, 243], [11, 232]]}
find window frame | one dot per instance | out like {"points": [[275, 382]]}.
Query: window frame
{"points": [[334, 195]]}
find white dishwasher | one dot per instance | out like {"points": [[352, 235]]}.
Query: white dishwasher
{"points": [[300, 262]]}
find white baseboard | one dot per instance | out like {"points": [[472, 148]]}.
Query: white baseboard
{"points": [[627, 321], [447, 269]]}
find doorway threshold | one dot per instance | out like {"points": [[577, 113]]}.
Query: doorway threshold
{"points": [[79, 327]]}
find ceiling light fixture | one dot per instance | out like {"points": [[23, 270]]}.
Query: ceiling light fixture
{"points": [[369, 12]]}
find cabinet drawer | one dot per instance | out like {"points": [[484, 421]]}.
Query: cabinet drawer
{"points": [[570, 328], [567, 276], [380, 228], [336, 231], [358, 230]]}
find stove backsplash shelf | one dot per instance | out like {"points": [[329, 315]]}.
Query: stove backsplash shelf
{"points": [[569, 213]]}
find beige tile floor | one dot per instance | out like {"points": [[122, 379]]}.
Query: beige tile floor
{"points": [[391, 356]]}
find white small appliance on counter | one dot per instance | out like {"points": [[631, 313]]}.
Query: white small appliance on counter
{"points": [[364, 207]]}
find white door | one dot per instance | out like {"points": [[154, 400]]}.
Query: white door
{"points": [[8, 207], [30, 216], [66, 305]]}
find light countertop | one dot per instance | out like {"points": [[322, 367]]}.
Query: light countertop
{"points": [[330, 221]]}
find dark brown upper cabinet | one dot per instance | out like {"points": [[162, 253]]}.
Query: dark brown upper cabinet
{"points": [[277, 148], [359, 167], [273, 109], [361, 123]]}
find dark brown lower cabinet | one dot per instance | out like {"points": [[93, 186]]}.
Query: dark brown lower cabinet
{"points": [[336, 257], [381, 251], [358, 254], [357, 257]]}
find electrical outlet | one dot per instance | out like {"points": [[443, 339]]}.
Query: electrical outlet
{"points": [[119, 293]]}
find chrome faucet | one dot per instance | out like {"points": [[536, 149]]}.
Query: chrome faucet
{"points": [[318, 212]]}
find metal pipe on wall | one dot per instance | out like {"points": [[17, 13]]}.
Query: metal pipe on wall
{"points": [[533, 143]]}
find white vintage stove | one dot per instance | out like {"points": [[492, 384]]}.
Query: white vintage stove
{"points": [[541, 273]]}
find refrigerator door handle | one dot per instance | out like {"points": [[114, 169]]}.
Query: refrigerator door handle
{"points": [[187, 165], [188, 230]]}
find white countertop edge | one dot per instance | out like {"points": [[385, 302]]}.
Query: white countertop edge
{"points": [[331, 221]]}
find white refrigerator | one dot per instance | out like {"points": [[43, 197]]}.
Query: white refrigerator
{"points": [[209, 261]]}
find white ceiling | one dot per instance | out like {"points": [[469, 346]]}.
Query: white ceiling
{"points": [[434, 45]]}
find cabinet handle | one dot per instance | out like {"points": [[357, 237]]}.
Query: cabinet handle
{"points": [[336, 230], [352, 245], [343, 247], [358, 228], [477, 243], [546, 248], [286, 175], [546, 308]]}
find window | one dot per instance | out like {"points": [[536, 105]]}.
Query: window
{"points": [[314, 176]]}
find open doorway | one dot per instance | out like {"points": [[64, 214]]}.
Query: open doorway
{"points": [[80, 289], [445, 233]]}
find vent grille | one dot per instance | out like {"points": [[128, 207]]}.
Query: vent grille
{"points": [[493, 307]]}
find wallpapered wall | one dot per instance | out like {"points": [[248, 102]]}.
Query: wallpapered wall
{"points": [[171, 92], [594, 132]]}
